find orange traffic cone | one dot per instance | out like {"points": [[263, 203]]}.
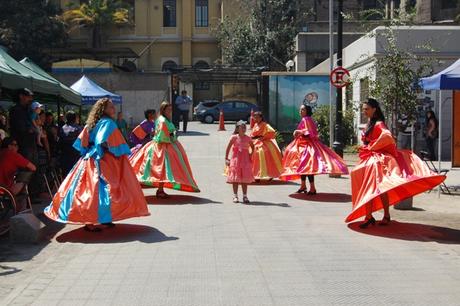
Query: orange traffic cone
{"points": [[251, 119], [221, 121]]}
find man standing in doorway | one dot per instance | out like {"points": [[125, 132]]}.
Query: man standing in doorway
{"points": [[184, 103]]}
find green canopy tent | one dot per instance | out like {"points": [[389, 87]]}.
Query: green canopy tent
{"points": [[11, 79], [34, 81], [65, 92]]}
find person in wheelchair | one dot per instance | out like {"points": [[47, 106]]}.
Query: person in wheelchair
{"points": [[11, 162]]}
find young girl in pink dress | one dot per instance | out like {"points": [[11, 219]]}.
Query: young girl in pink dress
{"points": [[240, 165]]}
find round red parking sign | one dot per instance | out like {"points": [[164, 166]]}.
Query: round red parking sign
{"points": [[340, 77]]}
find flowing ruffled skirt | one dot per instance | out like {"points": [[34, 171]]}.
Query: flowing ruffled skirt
{"points": [[267, 160], [97, 192], [165, 163], [397, 178], [305, 156]]}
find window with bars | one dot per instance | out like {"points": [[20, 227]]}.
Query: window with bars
{"points": [[169, 13], [201, 13]]}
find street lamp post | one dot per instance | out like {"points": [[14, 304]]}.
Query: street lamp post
{"points": [[338, 145]]}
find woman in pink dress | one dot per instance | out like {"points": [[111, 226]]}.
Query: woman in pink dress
{"points": [[240, 165]]}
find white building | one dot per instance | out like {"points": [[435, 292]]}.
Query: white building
{"points": [[359, 58]]}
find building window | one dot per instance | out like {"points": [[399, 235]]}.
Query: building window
{"points": [[201, 13], [201, 86], [448, 4], [168, 66], [169, 13]]}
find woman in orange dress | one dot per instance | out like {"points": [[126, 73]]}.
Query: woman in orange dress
{"points": [[101, 187], [306, 156], [385, 176], [266, 162], [162, 162]]}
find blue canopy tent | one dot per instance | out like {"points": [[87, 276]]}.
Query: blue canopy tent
{"points": [[447, 79], [91, 92]]}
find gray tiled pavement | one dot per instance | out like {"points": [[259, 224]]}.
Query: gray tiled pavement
{"points": [[201, 249]]}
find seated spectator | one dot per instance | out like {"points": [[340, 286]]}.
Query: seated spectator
{"points": [[3, 128], [44, 153], [143, 133], [52, 131], [61, 120], [10, 163], [67, 135]]}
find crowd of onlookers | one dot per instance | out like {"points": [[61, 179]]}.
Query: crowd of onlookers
{"points": [[35, 140]]}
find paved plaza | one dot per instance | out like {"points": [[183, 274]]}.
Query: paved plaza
{"points": [[283, 249]]}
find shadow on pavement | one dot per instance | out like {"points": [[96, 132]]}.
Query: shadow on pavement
{"points": [[323, 197], [411, 231], [120, 233], [192, 133], [272, 183], [179, 200], [258, 203], [7, 270]]}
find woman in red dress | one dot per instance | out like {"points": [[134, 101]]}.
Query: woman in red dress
{"points": [[306, 156], [385, 176]]}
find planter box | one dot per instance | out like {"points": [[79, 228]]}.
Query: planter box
{"points": [[405, 205]]}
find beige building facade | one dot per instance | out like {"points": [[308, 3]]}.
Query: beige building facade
{"points": [[165, 34]]}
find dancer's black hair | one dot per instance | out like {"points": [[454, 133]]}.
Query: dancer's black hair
{"points": [[308, 109], [378, 115]]}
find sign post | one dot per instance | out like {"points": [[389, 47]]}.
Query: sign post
{"points": [[340, 77]]}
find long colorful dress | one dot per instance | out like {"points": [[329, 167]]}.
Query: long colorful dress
{"points": [[266, 162], [240, 168], [101, 187], [384, 170], [307, 155], [141, 134], [163, 160]]}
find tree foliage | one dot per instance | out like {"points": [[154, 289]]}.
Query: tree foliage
{"points": [[28, 27], [97, 15], [262, 37], [398, 73], [321, 117]]}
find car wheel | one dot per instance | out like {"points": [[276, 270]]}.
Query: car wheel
{"points": [[209, 119]]}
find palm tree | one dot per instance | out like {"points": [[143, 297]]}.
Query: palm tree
{"points": [[96, 15]]}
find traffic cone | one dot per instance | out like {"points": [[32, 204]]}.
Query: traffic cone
{"points": [[221, 121], [251, 119]]}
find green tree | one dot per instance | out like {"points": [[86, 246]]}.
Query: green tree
{"points": [[97, 15], [29, 27], [321, 117], [397, 74], [264, 35]]}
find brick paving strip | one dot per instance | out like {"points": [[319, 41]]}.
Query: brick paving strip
{"points": [[201, 249]]}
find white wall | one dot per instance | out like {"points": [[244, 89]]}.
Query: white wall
{"points": [[135, 102]]}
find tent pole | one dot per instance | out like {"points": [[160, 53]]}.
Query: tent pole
{"points": [[439, 136], [58, 108]]}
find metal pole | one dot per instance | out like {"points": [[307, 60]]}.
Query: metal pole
{"points": [[338, 146], [439, 136], [331, 67]]}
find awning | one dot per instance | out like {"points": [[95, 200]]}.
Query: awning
{"points": [[31, 80], [65, 92], [448, 78], [91, 92]]}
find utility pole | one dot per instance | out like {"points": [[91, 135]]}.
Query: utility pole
{"points": [[338, 145], [331, 66]]}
